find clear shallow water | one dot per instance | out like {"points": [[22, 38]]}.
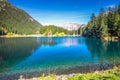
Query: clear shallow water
{"points": [[59, 55]]}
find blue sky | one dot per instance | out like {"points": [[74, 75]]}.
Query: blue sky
{"points": [[62, 11]]}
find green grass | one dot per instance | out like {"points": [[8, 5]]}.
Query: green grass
{"points": [[111, 74]]}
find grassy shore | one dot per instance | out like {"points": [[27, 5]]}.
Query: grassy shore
{"points": [[111, 74], [33, 35], [12, 36]]}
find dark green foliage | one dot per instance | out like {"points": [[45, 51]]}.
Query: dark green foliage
{"points": [[16, 20], [80, 30], [97, 27], [107, 23], [2, 26], [92, 17]]}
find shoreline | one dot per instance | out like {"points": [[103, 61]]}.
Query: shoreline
{"points": [[34, 35], [14, 36], [113, 38], [111, 74], [66, 73], [38, 76]]}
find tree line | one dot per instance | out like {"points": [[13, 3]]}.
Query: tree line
{"points": [[52, 29], [106, 24]]}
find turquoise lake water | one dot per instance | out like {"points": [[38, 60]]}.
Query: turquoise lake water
{"points": [[59, 55]]}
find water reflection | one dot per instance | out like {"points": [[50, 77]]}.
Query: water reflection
{"points": [[47, 41], [107, 52], [55, 55], [14, 50], [70, 42], [54, 58]]}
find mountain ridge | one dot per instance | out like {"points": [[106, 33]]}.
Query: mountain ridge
{"points": [[15, 20]]}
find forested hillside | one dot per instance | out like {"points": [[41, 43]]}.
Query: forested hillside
{"points": [[52, 29], [17, 21], [106, 24]]}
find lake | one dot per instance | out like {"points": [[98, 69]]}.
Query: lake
{"points": [[32, 57]]}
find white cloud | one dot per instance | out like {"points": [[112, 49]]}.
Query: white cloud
{"points": [[112, 6]]}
